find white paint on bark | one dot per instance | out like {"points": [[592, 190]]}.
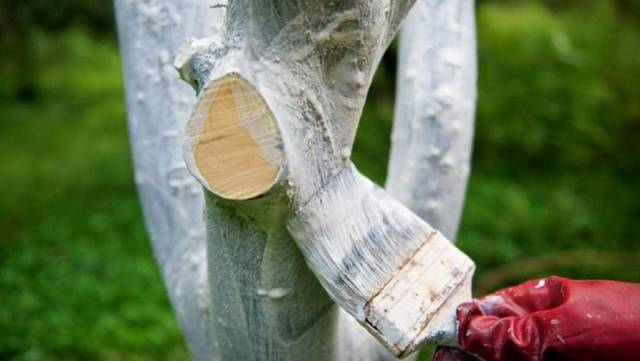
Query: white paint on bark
{"points": [[434, 112], [158, 103]]}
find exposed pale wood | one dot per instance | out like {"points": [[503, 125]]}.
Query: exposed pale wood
{"points": [[237, 146]]}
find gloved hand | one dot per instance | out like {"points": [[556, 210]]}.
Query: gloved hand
{"points": [[551, 319]]}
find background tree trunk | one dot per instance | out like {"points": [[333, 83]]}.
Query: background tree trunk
{"points": [[159, 103], [434, 111]]}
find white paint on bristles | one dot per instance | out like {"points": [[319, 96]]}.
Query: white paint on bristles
{"points": [[381, 262]]}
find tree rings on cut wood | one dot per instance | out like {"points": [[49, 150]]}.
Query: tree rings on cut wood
{"points": [[233, 143]]}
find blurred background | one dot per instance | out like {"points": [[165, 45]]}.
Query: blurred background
{"points": [[555, 186]]}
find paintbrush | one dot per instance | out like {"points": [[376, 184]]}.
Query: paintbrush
{"points": [[394, 273]]}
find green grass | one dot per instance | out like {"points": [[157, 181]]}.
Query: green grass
{"points": [[76, 272], [554, 187]]}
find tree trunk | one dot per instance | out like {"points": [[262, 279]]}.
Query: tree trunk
{"points": [[260, 301], [158, 103], [434, 113]]}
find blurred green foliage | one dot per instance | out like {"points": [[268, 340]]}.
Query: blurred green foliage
{"points": [[77, 277], [556, 153], [554, 187], [24, 23]]}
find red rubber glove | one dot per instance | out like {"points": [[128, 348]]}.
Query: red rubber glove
{"points": [[551, 319]]}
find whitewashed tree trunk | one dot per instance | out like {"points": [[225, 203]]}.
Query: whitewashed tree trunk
{"points": [[159, 103], [434, 112], [260, 301]]}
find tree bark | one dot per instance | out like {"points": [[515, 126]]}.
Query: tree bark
{"points": [[434, 113], [312, 62], [150, 32]]}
